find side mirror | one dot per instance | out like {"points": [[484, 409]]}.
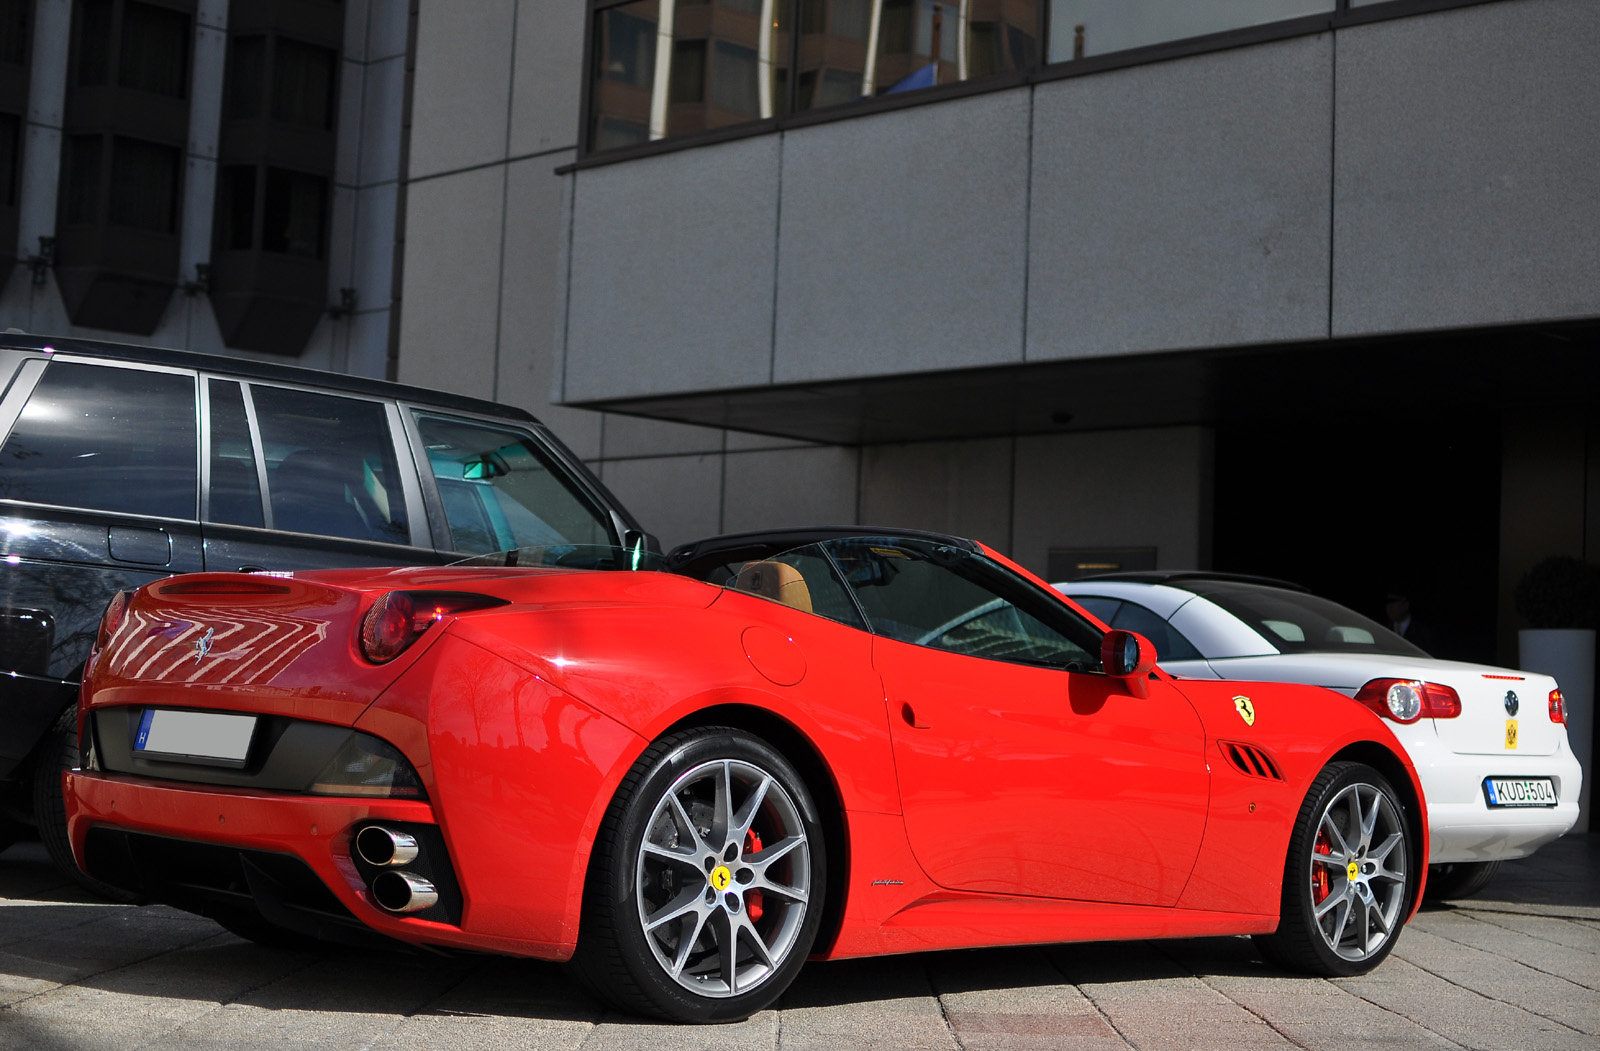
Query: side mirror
{"points": [[1128, 656]]}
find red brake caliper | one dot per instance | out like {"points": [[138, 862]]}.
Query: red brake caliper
{"points": [[753, 898], [1319, 877]]}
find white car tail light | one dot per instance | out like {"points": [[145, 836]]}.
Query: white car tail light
{"points": [[1407, 700]]}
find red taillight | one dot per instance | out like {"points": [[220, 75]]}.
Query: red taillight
{"points": [[1558, 707], [1407, 700], [399, 618], [116, 609]]}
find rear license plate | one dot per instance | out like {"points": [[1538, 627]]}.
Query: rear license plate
{"points": [[211, 736], [1519, 791]]}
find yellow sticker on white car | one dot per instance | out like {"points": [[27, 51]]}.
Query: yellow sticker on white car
{"points": [[1511, 735], [1247, 711]]}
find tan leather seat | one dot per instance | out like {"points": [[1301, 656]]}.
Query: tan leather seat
{"points": [[777, 581]]}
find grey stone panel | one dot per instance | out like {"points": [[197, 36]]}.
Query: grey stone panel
{"points": [[548, 79], [670, 281], [1182, 204], [789, 487], [637, 436], [529, 302], [1134, 488], [962, 488], [1468, 170], [462, 93], [902, 240], [678, 498], [453, 231]]}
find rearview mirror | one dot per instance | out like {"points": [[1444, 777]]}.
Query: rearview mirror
{"points": [[486, 467], [1128, 656]]}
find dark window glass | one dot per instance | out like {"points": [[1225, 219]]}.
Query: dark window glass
{"points": [[1081, 28], [235, 495], [688, 71], [155, 49], [735, 83], [246, 79], [627, 40], [94, 42], [302, 84], [330, 465], [10, 131], [236, 207], [953, 599], [1104, 608], [500, 493], [1295, 622], [110, 439], [144, 185], [1169, 644], [294, 213], [82, 206], [14, 30], [612, 133]]}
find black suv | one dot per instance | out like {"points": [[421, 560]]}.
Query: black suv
{"points": [[122, 464]]}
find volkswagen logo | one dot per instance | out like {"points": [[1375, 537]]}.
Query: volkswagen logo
{"points": [[1512, 704], [202, 646]]}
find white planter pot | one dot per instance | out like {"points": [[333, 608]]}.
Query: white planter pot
{"points": [[1568, 655]]}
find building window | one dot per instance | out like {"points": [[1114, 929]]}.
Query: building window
{"points": [[1085, 28], [294, 212], [246, 78], [144, 185], [302, 83], [10, 129], [14, 31], [82, 203], [149, 50]]}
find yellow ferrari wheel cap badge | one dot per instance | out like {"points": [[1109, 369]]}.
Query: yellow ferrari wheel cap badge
{"points": [[1247, 711], [721, 877], [1352, 871]]}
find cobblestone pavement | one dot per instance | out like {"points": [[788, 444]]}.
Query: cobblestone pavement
{"points": [[1517, 967]]}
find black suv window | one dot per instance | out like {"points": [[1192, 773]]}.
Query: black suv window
{"points": [[330, 465], [106, 439], [499, 493]]}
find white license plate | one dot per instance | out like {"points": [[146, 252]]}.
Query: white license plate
{"points": [[1519, 791], [195, 735]]}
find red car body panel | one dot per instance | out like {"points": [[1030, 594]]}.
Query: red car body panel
{"points": [[983, 803]]}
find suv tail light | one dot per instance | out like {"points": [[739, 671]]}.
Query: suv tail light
{"points": [[399, 618], [1407, 700], [1558, 707]]}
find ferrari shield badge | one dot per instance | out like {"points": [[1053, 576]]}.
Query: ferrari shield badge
{"points": [[1247, 711]]}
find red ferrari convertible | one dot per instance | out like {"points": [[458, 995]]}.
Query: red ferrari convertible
{"points": [[688, 775]]}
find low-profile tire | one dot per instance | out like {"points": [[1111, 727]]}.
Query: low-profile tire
{"points": [[57, 753], [1459, 879], [1349, 879], [706, 885]]}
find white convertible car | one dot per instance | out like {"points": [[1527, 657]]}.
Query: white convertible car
{"points": [[1490, 744]]}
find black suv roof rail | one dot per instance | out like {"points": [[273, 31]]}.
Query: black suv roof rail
{"points": [[1171, 576], [256, 369]]}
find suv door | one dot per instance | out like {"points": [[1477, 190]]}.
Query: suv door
{"points": [[306, 479], [99, 491]]}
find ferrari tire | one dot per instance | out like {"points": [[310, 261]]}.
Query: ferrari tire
{"points": [[1349, 879], [56, 754], [706, 885], [1459, 879]]}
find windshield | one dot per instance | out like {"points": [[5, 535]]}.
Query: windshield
{"points": [[571, 556], [1295, 622]]}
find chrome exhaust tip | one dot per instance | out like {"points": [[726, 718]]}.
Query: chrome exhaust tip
{"points": [[384, 847], [403, 892]]}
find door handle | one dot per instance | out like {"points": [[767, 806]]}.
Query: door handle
{"points": [[909, 714], [252, 569]]}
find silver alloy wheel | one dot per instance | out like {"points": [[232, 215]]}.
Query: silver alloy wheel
{"points": [[1358, 872], [723, 878]]}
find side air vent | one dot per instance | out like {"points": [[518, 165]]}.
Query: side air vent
{"points": [[1250, 760]]}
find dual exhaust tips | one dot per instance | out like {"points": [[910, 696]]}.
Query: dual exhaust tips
{"points": [[394, 890]]}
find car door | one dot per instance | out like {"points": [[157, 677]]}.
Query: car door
{"points": [[306, 479], [1022, 768]]}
